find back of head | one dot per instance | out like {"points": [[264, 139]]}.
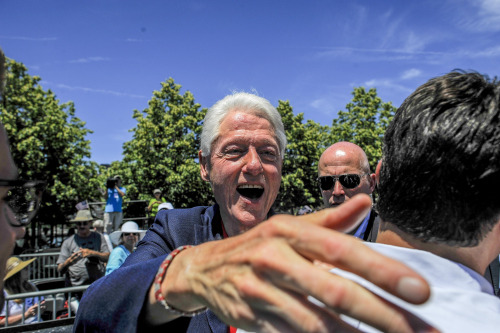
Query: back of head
{"points": [[440, 176], [243, 102]]}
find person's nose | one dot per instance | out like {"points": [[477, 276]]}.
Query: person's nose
{"points": [[338, 189], [253, 163]]}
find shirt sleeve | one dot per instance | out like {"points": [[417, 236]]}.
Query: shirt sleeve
{"points": [[116, 259], [65, 251], [104, 245]]}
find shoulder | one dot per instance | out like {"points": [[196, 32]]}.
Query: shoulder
{"points": [[194, 215]]}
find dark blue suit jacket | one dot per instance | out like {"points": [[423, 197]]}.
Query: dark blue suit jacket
{"points": [[114, 302]]}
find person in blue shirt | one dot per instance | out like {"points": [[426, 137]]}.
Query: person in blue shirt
{"points": [[126, 239], [113, 214]]}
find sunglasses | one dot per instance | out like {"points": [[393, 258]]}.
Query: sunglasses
{"points": [[348, 181], [80, 224], [130, 233], [23, 198]]}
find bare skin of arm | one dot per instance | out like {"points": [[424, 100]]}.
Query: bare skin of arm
{"points": [[260, 280], [82, 253]]}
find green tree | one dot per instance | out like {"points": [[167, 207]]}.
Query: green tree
{"points": [[48, 143], [300, 167], [364, 123], [163, 152]]}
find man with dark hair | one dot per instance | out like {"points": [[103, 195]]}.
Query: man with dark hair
{"points": [[12, 224], [438, 186]]}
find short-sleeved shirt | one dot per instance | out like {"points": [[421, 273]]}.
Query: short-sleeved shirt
{"points": [[86, 270], [117, 258], [115, 200], [154, 207]]}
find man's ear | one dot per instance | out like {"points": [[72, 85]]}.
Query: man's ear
{"points": [[204, 170], [377, 171]]}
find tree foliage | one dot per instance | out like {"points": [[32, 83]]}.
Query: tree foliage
{"points": [[300, 166], [163, 152], [48, 143], [364, 123]]}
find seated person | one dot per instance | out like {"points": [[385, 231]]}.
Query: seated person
{"points": [[126, 239], [16, 282]]}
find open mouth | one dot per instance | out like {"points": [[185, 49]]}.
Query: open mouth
{"points": [[250, 191]]}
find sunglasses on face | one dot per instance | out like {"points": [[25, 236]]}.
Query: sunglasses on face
{"points": [[23, 198], [81, 224], [348, 181], [130, 233]]}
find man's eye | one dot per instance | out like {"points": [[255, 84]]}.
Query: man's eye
{"points": [[234, 151], [269, 154]]}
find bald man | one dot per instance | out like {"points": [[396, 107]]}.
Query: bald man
{"points": [[343, 172]]}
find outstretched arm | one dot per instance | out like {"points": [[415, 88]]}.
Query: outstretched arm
{"points": [[260, 280]]}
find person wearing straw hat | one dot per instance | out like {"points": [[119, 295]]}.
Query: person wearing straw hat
{"points": [[16, 282], [83, 254], [126, 239]]}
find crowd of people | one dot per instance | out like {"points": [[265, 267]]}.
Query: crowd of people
{"points": [[236, 266]]}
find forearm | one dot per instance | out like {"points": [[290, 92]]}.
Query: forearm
{"points": [[13, 319], [102, 256]]}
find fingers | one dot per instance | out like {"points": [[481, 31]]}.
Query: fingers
{"points": [[290, 273], [307, 235]]}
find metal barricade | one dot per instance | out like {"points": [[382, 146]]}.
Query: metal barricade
{"points": [[54, 301], [44, 267]]}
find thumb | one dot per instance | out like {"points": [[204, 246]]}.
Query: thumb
{"points": [[344, 217]]}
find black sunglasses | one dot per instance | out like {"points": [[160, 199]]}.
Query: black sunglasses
{"points": [[348, 181], [82, 223], [130, 233], [23, 198]]}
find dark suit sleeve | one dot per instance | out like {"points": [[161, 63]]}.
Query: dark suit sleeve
{"points": [[114, 303]]}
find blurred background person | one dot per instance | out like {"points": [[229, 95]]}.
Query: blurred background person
{"points": [[16, 282], [113, 213], [126, 239], [156, 201], [83, 255], [98, 226]]}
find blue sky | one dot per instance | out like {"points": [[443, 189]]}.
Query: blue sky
{"points": [[108, 56]]}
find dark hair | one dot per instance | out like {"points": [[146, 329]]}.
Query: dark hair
{"points": [[440, 176]]}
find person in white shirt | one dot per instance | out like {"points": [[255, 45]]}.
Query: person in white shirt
{"points": [[438, 186]]}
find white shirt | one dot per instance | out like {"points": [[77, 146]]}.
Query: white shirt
{"points": [[461, 299]]}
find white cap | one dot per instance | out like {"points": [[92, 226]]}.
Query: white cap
{"points": [[165, 205]]}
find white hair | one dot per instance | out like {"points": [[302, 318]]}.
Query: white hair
{"points": [[242, 102]]}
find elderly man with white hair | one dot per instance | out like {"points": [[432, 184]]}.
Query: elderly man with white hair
{"points": [[232, 265]]}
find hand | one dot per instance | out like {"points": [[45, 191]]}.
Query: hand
{"points": [[31, 311], [73, 258], [86, 252], [260, 280]]}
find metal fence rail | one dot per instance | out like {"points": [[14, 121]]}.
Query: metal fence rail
{"points": [[44, 267], [54, 301]]}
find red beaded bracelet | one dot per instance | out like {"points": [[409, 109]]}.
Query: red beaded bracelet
{"points": [[159, 279]]}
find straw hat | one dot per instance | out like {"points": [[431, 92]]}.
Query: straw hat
{"points": [[82, 216], [131, 227], [15, 265]]}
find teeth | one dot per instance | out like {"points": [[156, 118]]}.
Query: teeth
{"points": [[251, 186]]}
